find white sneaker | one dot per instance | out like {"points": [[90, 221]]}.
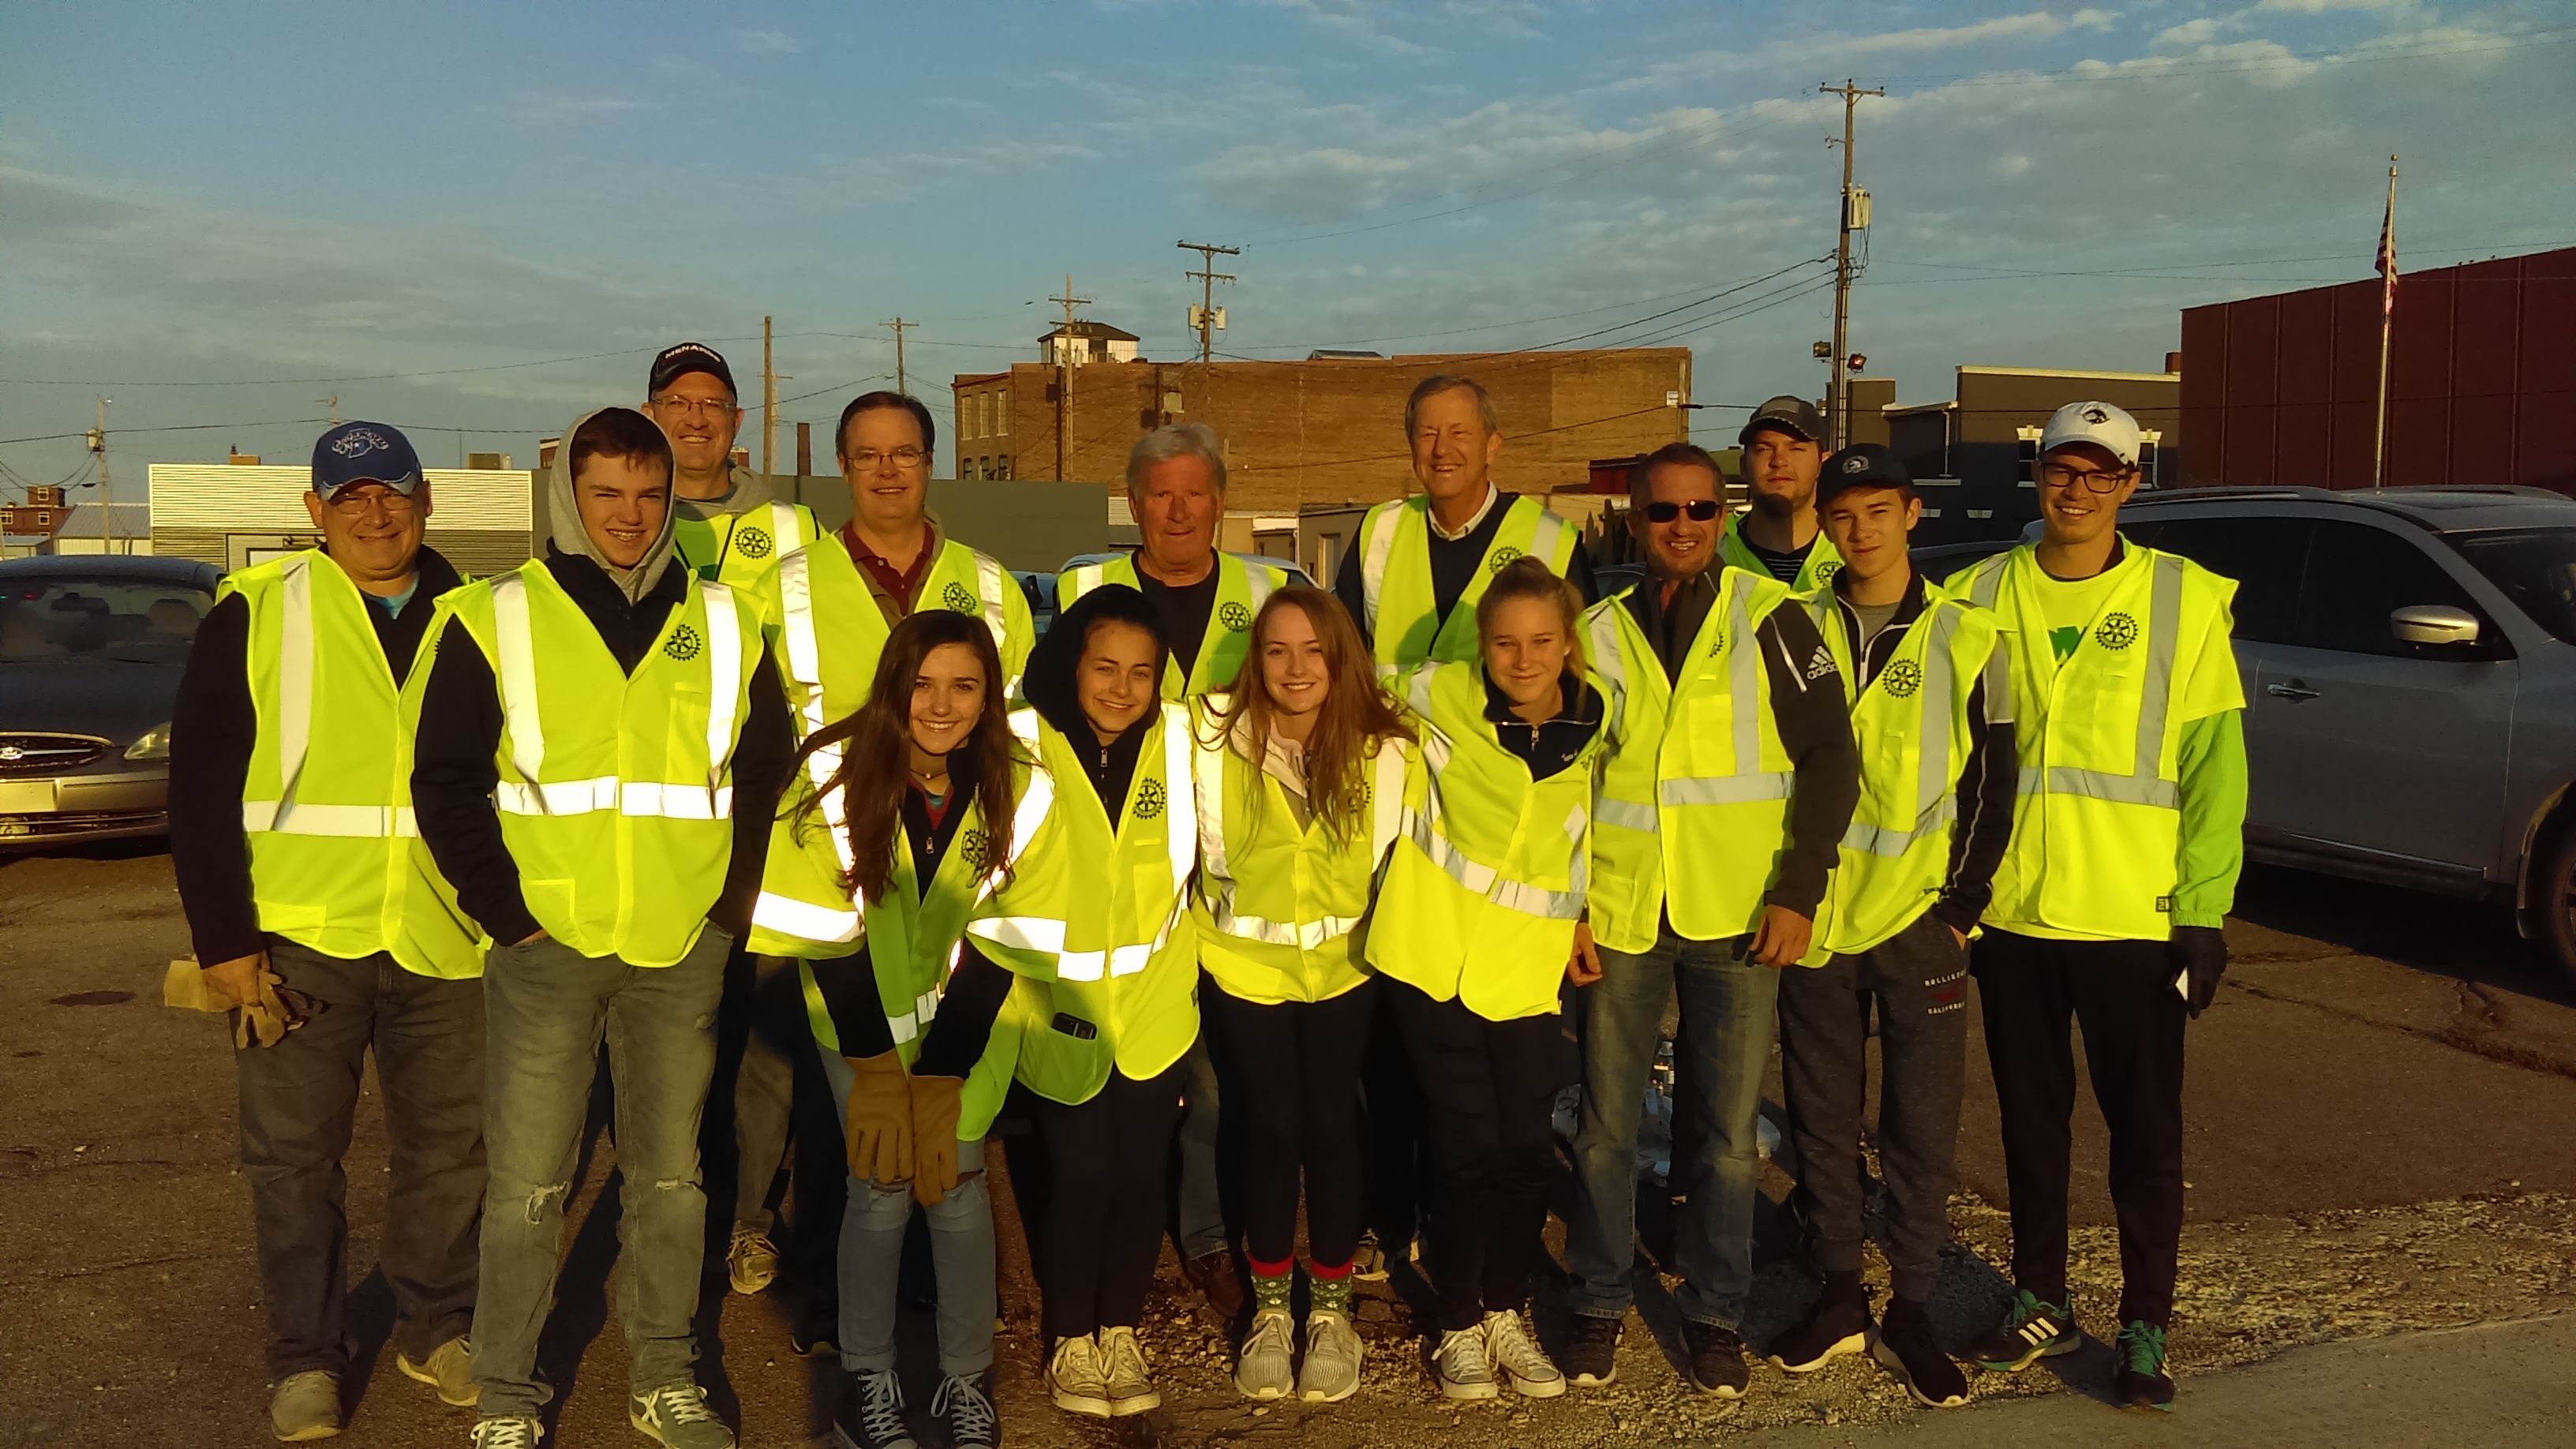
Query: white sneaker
{"points": [[507, 1433], [1266, 1368], [751, 1263], [1333, 1357], [1461, 1366], [1513, 1342], [1074, 1379], [1122, 1363]]}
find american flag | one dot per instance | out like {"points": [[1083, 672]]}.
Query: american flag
{"points": [[2388, 247]]}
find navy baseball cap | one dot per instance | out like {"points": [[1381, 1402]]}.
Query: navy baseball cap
{"points": [[1862, 465], [679, 361], [364, 453]]}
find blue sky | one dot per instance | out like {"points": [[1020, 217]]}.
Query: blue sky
{"points": [[428, 210]]}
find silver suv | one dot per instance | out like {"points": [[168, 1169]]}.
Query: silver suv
{"points": [[2410, 678]]}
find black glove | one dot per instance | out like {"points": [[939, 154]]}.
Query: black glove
{"points": [[2198, 955]]}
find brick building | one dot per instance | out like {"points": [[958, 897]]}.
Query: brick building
{"points": [[1325, 430]]}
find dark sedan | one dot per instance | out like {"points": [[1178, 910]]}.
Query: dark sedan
{"points": [[91, 650]]}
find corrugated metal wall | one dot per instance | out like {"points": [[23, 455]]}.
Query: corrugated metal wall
{"points": [[478, 518], [2482, 381]]}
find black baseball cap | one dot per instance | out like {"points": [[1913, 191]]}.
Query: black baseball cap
{"points": [[1861, 465], [679, 361], [1788, 414]]}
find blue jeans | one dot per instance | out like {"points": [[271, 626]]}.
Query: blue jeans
{"points": [[962, 1257], [546, 1010], [1725, 1041]]}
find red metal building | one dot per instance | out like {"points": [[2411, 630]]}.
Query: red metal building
{"points": [[2481, 382]]}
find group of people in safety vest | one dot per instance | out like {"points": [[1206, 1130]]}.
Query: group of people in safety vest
{"points": [[818, 840]]}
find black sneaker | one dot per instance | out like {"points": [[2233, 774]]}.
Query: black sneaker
{"points": [[1716, 1354], [871, 1414], [2029, 1331], [2143, 1381], [1904, 1346], [1832, 1328], [1591, 1355], [965, 1411]]}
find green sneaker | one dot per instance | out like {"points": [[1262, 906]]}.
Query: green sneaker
{"points": [[2144, 1380], [2030, 1331]]}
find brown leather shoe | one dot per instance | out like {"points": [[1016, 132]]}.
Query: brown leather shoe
{"points": [[1215, 1275]]}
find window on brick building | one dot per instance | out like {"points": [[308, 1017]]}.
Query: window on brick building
{"points": [[1001, 414]]}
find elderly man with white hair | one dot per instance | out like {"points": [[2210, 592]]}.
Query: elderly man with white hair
{"points": [[1206, 598]]}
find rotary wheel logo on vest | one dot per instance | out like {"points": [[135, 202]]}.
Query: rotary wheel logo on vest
{"points": [[752, 542], [956, 598], [1149, 799], [683, 644], [1502, 556], [978, 850], [1825, 571], [1716, 643], [1901, 678], [1235, 617], [2116, 631]]}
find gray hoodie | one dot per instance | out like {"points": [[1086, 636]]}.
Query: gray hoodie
{"points": [[563, 515]]}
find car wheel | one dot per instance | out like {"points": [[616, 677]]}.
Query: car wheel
{"points": [[2555, 901]]}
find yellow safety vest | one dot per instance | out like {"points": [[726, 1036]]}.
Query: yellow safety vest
{"points": [[2097, 820], [1819, 569], [1242, 586], [1282, 909], [913, 939], [616, 789], [336, 862], [1694, 810], [1483, 889], [740, 549], [1095, 920], [1395, 577], [1911, 726], [831, 634]]}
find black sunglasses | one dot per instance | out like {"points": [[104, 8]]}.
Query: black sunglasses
{"points": [[1701, 510]]}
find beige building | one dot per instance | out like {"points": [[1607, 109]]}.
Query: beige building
{"points": [[232, 515]]}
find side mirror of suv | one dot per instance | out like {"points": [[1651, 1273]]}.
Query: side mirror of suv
{"points": [[2433, 624]]}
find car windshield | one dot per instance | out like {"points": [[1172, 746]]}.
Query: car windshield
{"points": [[2536, 568], [141, 620]]}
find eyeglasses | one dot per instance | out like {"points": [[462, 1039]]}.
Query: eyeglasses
{"points": [[867, 459], [714, 407], [1701, 510], [358, 505], [2098, 480]]}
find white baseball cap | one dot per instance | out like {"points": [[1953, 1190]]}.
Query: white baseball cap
{"points": [[2104, 425]]}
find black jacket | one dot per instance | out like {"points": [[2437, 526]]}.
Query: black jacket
{"points": [[1048, 684], [1986, 780], [454, 759], [213, 728]]}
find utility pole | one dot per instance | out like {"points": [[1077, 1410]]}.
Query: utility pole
{"points": [[898, 325], [768, 401], [1205, 316], [1064, 379], [333, 403], [1855, 217], [98, 445]]}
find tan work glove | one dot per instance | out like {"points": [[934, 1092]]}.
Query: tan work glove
{"points": [[879, 1119], [934, 1137], [264, 1008]]}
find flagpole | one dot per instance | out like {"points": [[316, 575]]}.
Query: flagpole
{"points": [[2387, 312]]}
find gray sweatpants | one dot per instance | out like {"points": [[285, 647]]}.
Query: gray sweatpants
{"points": [[1917, 980]]}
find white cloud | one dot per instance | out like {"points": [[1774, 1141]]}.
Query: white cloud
{"points": [[564, 108], [2190, 32], [2319, 7], [768, 42]]}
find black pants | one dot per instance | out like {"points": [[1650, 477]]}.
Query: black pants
{"points": [[769, 1103], [298, 1104], [1491, 1086], [1917, 979], [2120, 993], [1391, 1128], [1296, 1073], [1104, 1221]]}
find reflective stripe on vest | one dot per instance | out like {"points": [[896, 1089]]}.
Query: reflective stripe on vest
{"points": [[285, 815], [518, 676], [1424, 828], [1216, 879], [1044, 934], [1377, 549], [2145, 785], [1743, 682], [1935, 804]]}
